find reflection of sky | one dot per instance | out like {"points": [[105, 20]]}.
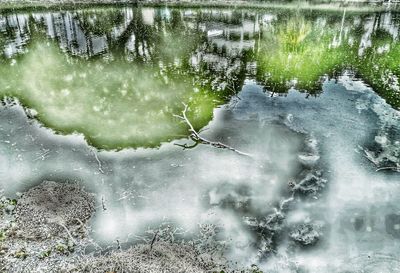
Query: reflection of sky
{"points": [[146, 187]]}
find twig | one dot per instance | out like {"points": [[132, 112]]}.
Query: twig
{"points": [[43, 155], [235, 94], [185, 146], [91, 241], [195, 136], [103, 205], [154, 240], [369, 156], [69, 233], [397, 169], [82, 225], [98, 161], [285, 202]]}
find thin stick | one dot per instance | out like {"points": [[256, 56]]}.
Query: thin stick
{"points": [[195, 136], [69, 233], [397, 169], [103, 205], [98, 161], [82, 224], [154, 240]]}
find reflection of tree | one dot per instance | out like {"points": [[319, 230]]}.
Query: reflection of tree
{"points": [[3, 40], [297, 51], [144, 37], [292, 34], [117, 102], [99, 22], [380, 66], [14, 29]]}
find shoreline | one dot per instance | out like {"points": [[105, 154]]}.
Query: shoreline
{"points": [[351, 6]]}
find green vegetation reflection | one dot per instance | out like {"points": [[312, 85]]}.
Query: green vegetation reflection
{"points": [[127, 95], [297, 50], [118, 75], [115, 105]]}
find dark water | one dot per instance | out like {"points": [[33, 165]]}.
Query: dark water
{"points": [[310, 96]]}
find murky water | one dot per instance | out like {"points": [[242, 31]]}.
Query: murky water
{"points": [[310, 96]]}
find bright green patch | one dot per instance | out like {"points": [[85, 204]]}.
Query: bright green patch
{"points": [[114, 104], [297, 52]]}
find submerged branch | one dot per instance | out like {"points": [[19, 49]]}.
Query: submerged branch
{"points": [[392, 168], [195, 136], [100, 165], [379, 168], [103, 203], [154, 240], [186, 146]]}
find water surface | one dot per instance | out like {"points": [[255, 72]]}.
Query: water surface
{"points": [[311, 96]]}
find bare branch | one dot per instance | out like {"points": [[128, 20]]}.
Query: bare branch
{"points": [[100, 165], [397, 169], [185, 146], [195, 136], [103, 203], [154, 240], [82, 225], [69, 233], [178, 116]]}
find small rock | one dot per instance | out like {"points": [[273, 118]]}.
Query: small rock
{"points": [[305, 234]]}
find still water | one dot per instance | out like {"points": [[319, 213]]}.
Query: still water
{"points": [[311, 97]]}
